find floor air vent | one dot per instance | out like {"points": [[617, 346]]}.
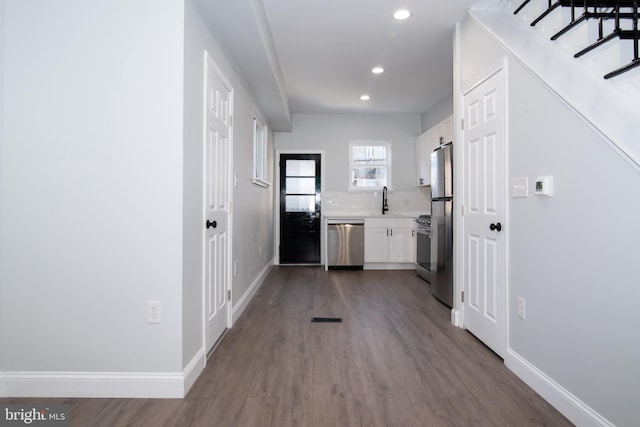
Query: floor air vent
{"points": [[326, 320]]}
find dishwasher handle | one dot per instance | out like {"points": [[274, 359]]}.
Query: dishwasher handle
{"points": [[351, 221]]}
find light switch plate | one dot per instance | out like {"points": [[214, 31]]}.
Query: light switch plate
{"points": [[520, 187]]}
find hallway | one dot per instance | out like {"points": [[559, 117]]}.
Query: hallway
{"points": [[396, 360]]}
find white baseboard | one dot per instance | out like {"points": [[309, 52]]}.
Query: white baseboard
{"points": [[92, 384], [193, 370], [161, 385], [560, 398], [239, 307], [389, 266], [456, 319]]}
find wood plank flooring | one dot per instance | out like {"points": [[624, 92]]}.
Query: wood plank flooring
{"points": [[396, 360]]}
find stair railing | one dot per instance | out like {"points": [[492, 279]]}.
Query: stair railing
{"points": [[603, 11]]}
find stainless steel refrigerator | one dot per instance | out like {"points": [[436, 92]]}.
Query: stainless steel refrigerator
{"points": [[442, 223]]}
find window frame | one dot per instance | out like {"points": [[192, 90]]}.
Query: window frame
{"points": [[260, 153], [387, 165]]}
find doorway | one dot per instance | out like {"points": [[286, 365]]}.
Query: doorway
{"points": [[300, 208], [217, 203], [483, 222]]}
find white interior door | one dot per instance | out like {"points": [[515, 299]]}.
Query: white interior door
{"points": [[217, 152], [484, 202]]}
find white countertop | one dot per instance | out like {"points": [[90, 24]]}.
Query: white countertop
{"points": [[338, 214]]}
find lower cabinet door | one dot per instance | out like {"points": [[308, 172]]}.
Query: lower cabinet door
{"points": [[402, 245], [376, 245]]}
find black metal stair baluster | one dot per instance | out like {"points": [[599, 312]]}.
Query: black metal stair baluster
{"points": [[602, 14], [601, 28], [521, 6], [600, 42], [602, 39], [636, 36], [551, 8], [635, 62], [574, 22]]}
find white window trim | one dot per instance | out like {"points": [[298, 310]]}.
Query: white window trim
{"points": [[387, 145], [260, 154]]}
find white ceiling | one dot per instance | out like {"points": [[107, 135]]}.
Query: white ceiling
{"points": [[316, 56]]}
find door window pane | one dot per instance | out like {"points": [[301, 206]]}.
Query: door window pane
{"points": [[301, 185], [301, 168], [300, 203]]}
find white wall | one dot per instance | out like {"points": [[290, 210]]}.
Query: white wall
{"points": [[91, 185], [2, 102], [334, 132], [102, 204], [573, 256], [438, 112], [252, 205], [195, 40]]}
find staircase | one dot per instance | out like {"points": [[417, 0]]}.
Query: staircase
{"points": [[608, 28], [570, 50]]}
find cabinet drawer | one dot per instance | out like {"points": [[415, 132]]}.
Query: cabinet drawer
{"points": [[389, 222]]}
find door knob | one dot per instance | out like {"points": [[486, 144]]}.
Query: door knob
{"points": [[214, 224], [497, 226]]}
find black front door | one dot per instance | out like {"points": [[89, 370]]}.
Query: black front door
{"points": [[300, 208]]}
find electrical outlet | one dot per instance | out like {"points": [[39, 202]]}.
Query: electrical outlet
{"points": [[235, 268], [521, 308], [154, 312]]}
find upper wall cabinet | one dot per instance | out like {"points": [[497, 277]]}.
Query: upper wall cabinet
{"points": [[447, 129], [426, 143], [423, 167]]}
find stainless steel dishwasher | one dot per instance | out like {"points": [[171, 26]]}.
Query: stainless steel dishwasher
{"points": [[345, 243]]}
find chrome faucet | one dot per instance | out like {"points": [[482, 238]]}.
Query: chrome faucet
{"points": [[385, 204]]}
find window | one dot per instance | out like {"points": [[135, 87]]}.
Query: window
{"points": [[300, 185], [369, 165], [260, 154]]}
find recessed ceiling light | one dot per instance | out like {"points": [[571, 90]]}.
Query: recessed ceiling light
{"points": [[377, 70], [401, 14], [365, 97]]}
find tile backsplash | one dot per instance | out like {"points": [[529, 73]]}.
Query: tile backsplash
{"points": [[418, 201]]}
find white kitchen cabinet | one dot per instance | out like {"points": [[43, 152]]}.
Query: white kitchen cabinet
{"points": [[376, 244], [426, 143], [423, 164], [446, 127], [402, 244], [389, 240]]}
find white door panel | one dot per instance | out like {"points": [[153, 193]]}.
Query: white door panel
{"points": [[484, 199], [217, 154]]}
